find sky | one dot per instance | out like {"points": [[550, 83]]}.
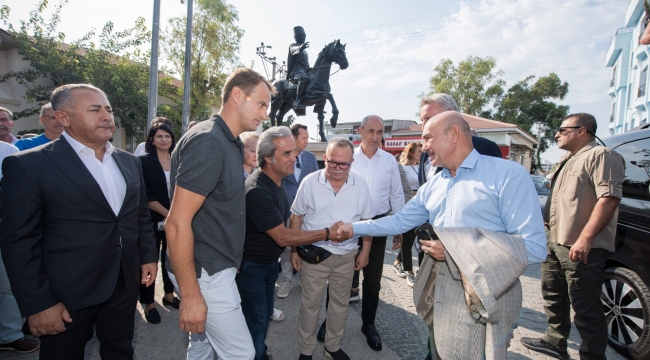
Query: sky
{"points": [[393, 46]]}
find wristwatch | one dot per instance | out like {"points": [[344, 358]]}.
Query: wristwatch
{"points": [[327, 233]]}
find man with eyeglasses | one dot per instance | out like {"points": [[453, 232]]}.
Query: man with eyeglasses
{"points": [[305, 164], [6, 125], [380, 170], [580, 218], [323, 198], [53, 129]]}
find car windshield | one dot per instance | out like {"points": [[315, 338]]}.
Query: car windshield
{"points": [[542, 185]]}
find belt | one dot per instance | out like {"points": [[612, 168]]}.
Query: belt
{"points": [[381, 216]]}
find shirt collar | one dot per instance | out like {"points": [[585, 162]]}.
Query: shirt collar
{"points": [[225, 129], [322, 177], [79, 147], [468, 163], [379, 152]]}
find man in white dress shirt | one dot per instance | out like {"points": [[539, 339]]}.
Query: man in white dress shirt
{"points": [[379, 169], [6, 125], [75, 231]]}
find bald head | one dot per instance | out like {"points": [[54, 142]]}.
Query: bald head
{"points": [[447, 139]]}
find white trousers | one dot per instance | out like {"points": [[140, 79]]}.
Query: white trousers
{"points": [[226, 332], [285, 264]]}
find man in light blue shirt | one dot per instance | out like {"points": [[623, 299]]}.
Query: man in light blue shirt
{"points": [[472, 191], [53, 129]]}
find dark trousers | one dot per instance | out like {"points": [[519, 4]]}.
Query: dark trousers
{"points": [[371, 279], [147, 293], [256, 284], [114, 325], [404, 255], [567, 284]]}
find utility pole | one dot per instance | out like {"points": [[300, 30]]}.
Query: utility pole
{"points": [[188, 62], [153, 69]]}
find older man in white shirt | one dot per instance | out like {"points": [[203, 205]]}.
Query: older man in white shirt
{"points": [[380, 170]]}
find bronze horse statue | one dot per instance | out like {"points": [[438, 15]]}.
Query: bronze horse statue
{"points": [[317, 92]]}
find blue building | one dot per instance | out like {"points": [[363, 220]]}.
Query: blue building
{"points": [[628, 88]]}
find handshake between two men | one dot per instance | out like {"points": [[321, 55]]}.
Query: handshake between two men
{"points": [[433, 248]]}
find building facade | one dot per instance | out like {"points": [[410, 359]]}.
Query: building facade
{"points": [[628, 90]]}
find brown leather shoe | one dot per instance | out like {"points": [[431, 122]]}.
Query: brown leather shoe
{"points": [[22, 345]]}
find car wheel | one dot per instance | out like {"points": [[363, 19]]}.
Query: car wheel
{"points": [[626, 301]]}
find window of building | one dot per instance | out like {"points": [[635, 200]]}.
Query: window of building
{"points": [[642, 82], [613, 82], [642, 26], [611, 117]]}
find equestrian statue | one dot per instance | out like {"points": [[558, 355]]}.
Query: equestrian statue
{"points": [[305, 86]]}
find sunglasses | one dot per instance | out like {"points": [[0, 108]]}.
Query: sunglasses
{"points": [[563, 130]]}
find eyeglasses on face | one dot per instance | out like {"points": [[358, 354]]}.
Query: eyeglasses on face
{"points": [[334, 164], [563, 130]]}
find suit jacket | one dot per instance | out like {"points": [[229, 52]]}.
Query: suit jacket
{"points": [[308, 165], [482, 145], [155, 184], [473, 299], [61, 241]]}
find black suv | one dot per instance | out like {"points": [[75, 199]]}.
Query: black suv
{"points": [[625, 293]]}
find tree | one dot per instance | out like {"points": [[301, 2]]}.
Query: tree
{"points": [[115, 65], [532, 107], [266, 124], [215, 42], [475, 84]]}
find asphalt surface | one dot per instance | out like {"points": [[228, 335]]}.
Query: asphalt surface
{"points": [[404, 335]]}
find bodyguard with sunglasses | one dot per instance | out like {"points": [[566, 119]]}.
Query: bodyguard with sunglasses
{"points": [[580, 217]]}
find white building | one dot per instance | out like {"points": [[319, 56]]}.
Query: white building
{"points": [[628, 89], [350, 130]]}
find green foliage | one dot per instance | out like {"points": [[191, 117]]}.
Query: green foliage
{"points": [[474, 83], [532, 106], [113, 63], [215, 42], [266, 124], [4, 13], [479, 90]]}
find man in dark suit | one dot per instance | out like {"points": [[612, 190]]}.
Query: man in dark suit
{"points": [[75, 231], [435, 104], [305, 164]]}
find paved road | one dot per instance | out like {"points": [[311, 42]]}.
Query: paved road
{"points": [[403, 333]]}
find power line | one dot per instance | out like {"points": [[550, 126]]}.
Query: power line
{"points": [[537, 13], [405, 21]]}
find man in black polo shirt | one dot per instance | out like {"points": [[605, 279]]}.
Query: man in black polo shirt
{"points": [[267, 211]]}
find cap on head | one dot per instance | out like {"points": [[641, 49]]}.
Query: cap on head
{"points": [[298, 30]]}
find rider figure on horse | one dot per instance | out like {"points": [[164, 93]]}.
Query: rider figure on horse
{"points": [[298, 64]]}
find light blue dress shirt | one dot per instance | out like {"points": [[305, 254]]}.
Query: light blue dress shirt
{"points": [[487, 192]]}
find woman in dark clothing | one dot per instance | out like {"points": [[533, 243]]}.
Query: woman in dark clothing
{"points": [[155, 171]]}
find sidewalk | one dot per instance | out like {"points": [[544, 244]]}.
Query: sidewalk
{"points": [[403, 334]]}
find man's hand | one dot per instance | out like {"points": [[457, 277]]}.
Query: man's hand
{"points": [[304, 46], [295, 261], [345, 231], [434, 249], [580, 250], [397, 241], [192, 314], [362, 260], [148, 273], [49, 321], [334, 232]]}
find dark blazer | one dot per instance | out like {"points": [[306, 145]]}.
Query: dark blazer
{"points": [[155, 183], [308, 165], [61, 241], [482, 145]]}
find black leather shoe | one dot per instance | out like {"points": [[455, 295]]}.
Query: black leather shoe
{"points": [[153, 317], [372, 337], [305, 357], [321, 332], [174, 303]]}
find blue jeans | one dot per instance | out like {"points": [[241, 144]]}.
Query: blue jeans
{"points": [[256, 284]]}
